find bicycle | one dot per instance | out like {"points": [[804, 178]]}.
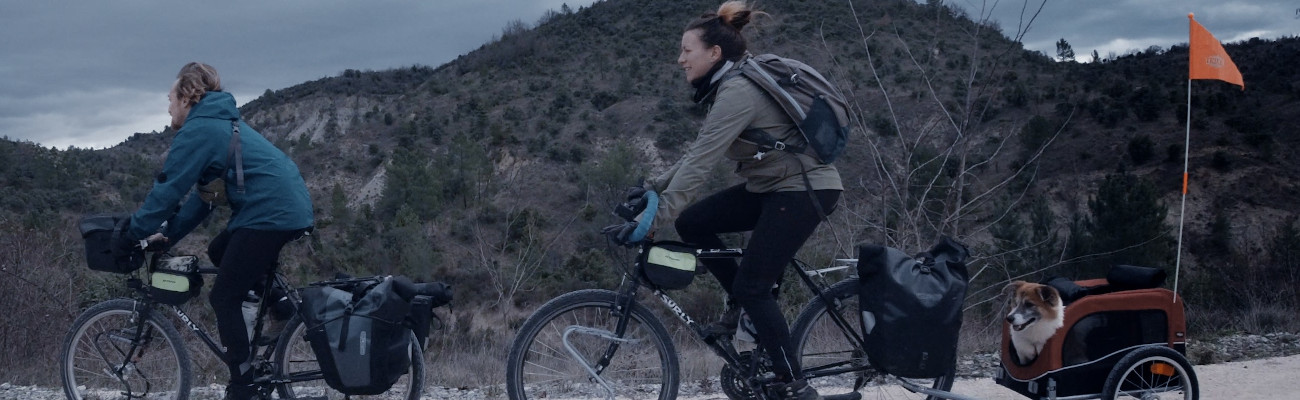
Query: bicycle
{"points": [[127, 348], [598, 343]]}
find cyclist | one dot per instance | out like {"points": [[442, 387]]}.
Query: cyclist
{"points": [[774, 203], [268, 200]]}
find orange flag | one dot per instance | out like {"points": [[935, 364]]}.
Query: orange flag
{"points": [[1208, 60]]}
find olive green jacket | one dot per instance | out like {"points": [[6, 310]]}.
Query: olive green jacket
{"points": [[740, 105]]}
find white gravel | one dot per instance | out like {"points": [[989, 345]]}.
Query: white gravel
{"points": [[1242, 367]]}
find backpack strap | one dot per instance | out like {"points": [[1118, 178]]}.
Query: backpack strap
{"points": [[767, 143], [769, 85], [237, 154], [807, 183]]}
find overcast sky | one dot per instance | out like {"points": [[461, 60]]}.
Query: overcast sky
{"points": [[91, 73]]}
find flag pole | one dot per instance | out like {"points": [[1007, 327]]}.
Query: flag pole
{"points": [[1182, 213]]}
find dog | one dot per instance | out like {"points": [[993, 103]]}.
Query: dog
{"points": [[1036, 313]]}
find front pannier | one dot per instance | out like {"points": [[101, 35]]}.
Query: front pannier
{"points": [[669, 265], [911, 307], [100, 232], [356, 330]]}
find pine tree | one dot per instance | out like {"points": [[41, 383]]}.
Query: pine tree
{"points": [[1126, 226], [1063, 51]]}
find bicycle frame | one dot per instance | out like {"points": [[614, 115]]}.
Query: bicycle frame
{"points": [[633, 282], [274, 279]]}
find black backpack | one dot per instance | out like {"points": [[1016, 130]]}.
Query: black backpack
{"points": [[356, 329], [814, 104], [911, 307]]}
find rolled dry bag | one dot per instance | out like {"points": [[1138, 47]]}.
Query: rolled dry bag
{"points": [[911, 307]]}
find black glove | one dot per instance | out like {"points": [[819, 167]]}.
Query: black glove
{"points": [[634, 204], [619, 233], [124, 244], [634, 192]]}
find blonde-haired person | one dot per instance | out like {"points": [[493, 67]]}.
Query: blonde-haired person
{"points": [[774, 203], [269, 204]]}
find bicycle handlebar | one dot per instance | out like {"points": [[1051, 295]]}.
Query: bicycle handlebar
{"points": [[647, 218]]}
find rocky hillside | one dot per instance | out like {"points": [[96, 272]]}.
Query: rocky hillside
{"points": [[495, 171]]}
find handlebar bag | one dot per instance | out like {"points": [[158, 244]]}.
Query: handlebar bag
{"points": [[176, 280], [356, 331], [100, 232], [669, 265], [912, 306]]}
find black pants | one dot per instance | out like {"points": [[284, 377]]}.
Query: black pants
{"points": [[244, 257], [780, 223]]}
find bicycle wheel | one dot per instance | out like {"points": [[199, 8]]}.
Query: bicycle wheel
{"points": [[822, 346], [540, 364], [1152, 372], [103, 360], [294, 357]]}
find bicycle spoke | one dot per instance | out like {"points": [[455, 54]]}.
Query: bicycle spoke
{"points": [[545, 368], [108, 355]]}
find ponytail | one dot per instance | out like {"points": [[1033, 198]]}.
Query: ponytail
{"points": [[722, 28], [735, 14]]}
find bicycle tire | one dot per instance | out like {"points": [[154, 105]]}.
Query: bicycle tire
{"points": [[822, 344], [539, 366], [1152, 372], [100, 339], [293, 355]]}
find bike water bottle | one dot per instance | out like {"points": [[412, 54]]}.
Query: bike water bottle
{"points": [[745, 328], [250, 312]]}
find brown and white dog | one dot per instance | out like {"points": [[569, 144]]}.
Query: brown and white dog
{"points": [[1036, 314]]}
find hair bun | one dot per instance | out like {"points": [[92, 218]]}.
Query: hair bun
{"points": [[735, 13]]}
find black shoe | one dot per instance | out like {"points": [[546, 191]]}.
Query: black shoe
{"points": [[797, 390], [237, 391]]}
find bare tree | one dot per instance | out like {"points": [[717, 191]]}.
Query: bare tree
{"points": [[946, 165], [513, 257]]}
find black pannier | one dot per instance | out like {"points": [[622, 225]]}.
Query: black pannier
{"points": [[424, 298], [100, 232], [356, 330], [911, 307]]}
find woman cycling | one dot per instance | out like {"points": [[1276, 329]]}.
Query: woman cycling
{"points": [[267, 195], [773, 203]]}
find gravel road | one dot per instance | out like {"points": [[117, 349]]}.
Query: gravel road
{"points": [[1242, 367]]}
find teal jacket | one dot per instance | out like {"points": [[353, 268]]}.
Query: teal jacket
{"points": [[275, 195]]}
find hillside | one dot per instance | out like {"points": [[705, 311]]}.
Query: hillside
{"points": [[495, 171]]}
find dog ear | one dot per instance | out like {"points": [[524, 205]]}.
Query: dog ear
{"points": [[1009, 291], [1048, 294]]}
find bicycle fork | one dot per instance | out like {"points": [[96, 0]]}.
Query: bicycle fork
{"points": [[603, 334], [138, 339]]}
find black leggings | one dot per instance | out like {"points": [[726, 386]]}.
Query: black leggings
{"points": [[780, 223], [244, 257]]}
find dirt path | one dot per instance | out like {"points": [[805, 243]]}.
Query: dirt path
{"points": [[1269, 378]]}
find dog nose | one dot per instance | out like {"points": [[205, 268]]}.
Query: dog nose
{"points": [[1010, 319]]}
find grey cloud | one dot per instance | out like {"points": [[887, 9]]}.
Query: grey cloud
{"points": [[67, 67]]}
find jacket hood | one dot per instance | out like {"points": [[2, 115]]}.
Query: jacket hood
{"points": [[220, 105]]}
